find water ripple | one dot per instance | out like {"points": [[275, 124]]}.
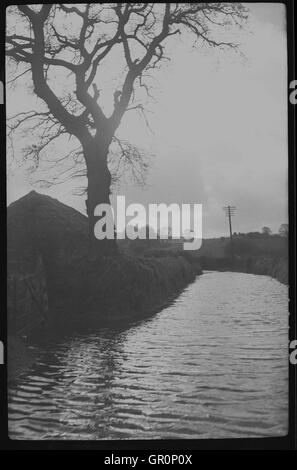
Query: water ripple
{"points": [[211, 365]]}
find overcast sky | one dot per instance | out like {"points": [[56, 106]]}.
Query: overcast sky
{"points": [[220, 131]]}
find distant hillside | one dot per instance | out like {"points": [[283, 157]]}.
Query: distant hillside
{"points": [[245, 245]]}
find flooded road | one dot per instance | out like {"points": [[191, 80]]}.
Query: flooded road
{"points": [[213, 364]]}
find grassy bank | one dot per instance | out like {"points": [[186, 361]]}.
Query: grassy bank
{"points": [[110, 291], [117, 288], [276, 267], [254, 253], [78, 290]]}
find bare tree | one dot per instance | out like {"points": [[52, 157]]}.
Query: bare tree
{"points": [[284, 230], [78, 39], [266, 231]]}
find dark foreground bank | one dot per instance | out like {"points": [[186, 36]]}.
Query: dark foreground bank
{"points": [[52, 283], [111, 292], [53, 286]]}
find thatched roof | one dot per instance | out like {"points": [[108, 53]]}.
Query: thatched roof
{"points": [[39, 222]]}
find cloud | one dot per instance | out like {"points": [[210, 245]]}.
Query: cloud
{"points": [[220, 126]]}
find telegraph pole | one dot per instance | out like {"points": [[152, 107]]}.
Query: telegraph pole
{"points": [[230, 211]]}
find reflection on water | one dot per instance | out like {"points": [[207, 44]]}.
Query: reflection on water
{"points": [[214, 364]]}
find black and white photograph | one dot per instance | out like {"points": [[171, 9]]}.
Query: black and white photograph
{"points": [[147, 173]]}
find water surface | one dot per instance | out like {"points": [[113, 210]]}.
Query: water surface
{"points": [[213, 364]]}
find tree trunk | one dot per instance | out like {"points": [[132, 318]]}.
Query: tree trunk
{"points": [[98, 192]]}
